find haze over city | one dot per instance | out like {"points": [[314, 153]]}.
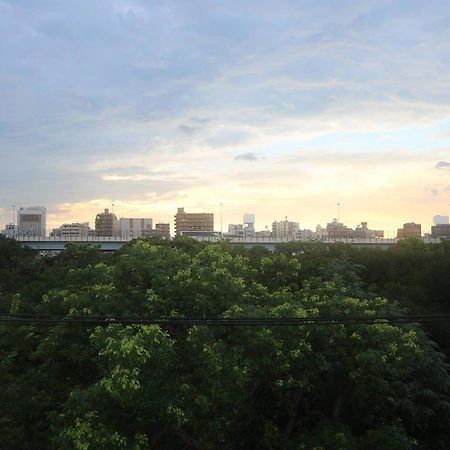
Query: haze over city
{"points": [[279, 109]]}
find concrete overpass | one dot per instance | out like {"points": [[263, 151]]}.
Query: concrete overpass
{"points": [[49, 244], [115, 243], [271, 243]]}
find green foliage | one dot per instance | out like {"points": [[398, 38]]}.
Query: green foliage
{"points": [[141, 387], [414, 274]]}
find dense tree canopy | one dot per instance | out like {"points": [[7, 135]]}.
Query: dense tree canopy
{"points": [[206, 387], [414, 274]]}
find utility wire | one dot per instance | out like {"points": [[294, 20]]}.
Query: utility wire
{"points": [[29, 319]]}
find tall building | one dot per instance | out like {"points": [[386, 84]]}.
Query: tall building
{"points": [[249, 225], [106, 224], [71, 230], [440, 220], [285, 229], [192, 223], [134, 228], [410, 230], [31, 221]]}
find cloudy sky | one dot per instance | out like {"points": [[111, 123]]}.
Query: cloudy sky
{"points": [[281, 108]]}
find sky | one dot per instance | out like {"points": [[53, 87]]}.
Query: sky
{"points": [[279, 108]]}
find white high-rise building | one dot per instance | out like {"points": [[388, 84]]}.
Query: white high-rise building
{"points": [[134, 227], [249, 224], [440, 220], [31, 221]]}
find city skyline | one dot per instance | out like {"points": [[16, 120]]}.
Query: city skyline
{"points": [[213, 223], [278, 109]]}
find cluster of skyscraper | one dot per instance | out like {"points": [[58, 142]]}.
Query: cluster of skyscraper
{"points": [[31, 222], [284, 229]]}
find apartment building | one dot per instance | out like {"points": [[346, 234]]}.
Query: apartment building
{"points": [[285, 229], [409, 230], [71, 230], [106, 224], [191, 223]]}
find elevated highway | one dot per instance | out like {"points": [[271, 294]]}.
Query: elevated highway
{"points": [[50, 244], [109, 244]]}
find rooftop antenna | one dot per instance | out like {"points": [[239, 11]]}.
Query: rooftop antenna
{"points": [[338, 212], [14, 215]]}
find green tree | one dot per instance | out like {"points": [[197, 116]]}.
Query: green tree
{"points": [[208, 387]]}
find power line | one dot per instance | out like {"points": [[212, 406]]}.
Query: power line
{"points": [[31, 319]]}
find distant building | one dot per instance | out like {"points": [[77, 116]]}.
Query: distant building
{"points": [[31, 221], [55, 232], [10, 230], [161, 230], [189, 223], [134, 228], [410, 230], [363, 232], [321, 232], [285, 229], [337, 230], [236, 230], [164, 230], [249, 224], [441, 231], [106, 224], [265, 234], [440, 220], [377, 234], [305, 235], [71, 230]]}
